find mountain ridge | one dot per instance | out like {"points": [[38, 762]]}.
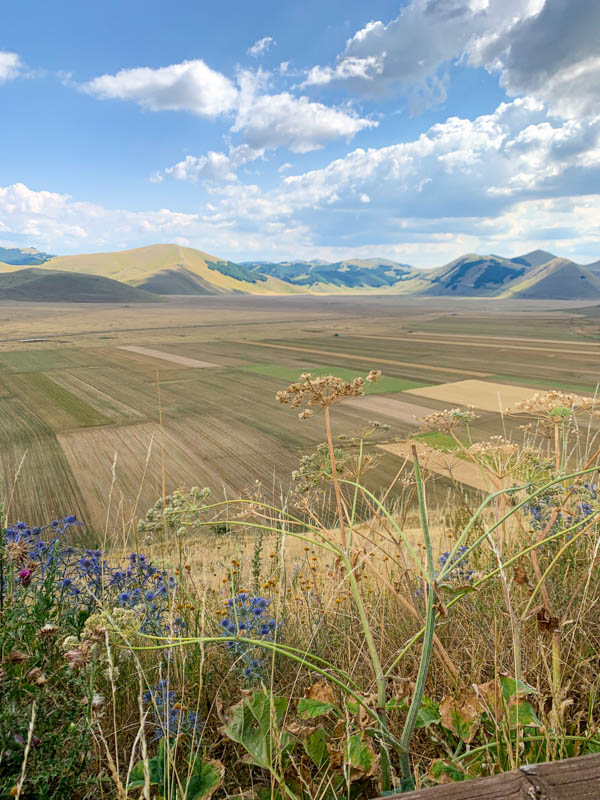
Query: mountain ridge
{"points": [[171, 269]]}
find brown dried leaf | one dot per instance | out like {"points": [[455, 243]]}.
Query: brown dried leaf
{"points": [[461, 714], [322, 692]]}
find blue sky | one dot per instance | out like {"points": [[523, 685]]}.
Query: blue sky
{"points": [[416, 130]]}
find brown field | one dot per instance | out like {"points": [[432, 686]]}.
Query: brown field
{"points": [[485, 395], [174, 359], [447, 465], [73, 400]]}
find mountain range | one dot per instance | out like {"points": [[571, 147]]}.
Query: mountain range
{"points": [[147, 274]]}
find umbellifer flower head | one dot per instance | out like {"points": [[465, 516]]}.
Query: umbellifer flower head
{"points": [[322, 391]]}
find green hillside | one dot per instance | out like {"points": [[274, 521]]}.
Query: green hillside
{"points": [[43, 285]]}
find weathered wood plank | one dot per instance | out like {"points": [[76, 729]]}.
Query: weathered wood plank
{"points": [[573, 779]]}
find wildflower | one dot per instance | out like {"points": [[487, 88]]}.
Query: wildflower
{"points": [[16, 657], [48, 630], [25, 576], [79, 657], [17, 552], [448, 419], [373, 375], [36, 676], [320, 391], [97, 701]]}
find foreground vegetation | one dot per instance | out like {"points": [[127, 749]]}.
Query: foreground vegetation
{"points": [[357, 659]]}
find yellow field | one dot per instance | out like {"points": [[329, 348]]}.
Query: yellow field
{"points": [[484, 395]]}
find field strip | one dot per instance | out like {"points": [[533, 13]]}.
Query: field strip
{"points": [[448, 341], [446, 465], [183, 360], [484, 395], [409, 413], [370, 359], [510, 338]]}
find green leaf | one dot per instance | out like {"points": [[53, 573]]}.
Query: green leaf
{"points": [[445, 772], [428, 714], [511, 687], [206, 777], [251, 726], [523, 714], [156, 770], [360, 755], [315, 746], [309, 709]]}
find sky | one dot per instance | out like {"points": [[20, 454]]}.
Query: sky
{"points": [[417, 130]]}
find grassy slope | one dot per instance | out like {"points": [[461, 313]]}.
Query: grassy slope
{"points": [[141, 265], [559, 279], [43, 285]]}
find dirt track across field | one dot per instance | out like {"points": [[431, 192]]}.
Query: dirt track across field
{"points": [[373, 360], [174, 359]]}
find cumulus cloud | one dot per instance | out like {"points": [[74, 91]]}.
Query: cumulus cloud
{"points": [[260, 47], [188, 86], [448, 181], [10, 66], [554, 55], [285, 120], [512, 176], [549, 49], [214, 166]]}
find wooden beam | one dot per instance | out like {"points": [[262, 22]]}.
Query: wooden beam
{"points": [[573, 779]]}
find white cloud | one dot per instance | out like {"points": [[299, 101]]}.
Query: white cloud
{"points": [[212, 167], [285, 167], [188, 86], [350, 67], [554, 55], [279, 120], [262, 46], [410, 53], [10, 66]]}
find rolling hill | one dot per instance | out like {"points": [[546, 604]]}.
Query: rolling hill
{"points": [[26, 256], [558, 279], [474, 275], [52, 286], [171, 269], [367, 273]]}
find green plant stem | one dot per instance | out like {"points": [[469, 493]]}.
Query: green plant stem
{"points": [[429, 631]]}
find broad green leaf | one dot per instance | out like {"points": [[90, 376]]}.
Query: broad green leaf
{"points": [[428, 714], [316, 747], [251, 726], [309, 709], [206, 777], [445, 772], [523, 714], [156, 770], [511, 687], [360, 755]]}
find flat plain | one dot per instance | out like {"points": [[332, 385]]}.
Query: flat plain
{"points": [[104, 408]]}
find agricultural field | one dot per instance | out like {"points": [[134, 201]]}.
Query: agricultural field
{"points": [[104, 409]]}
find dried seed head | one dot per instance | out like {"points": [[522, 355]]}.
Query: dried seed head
{"points": [[322, 391], [48, 630], [17, 552]]}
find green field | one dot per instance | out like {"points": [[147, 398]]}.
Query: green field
{"points": [[83, 416], [384, 385]]}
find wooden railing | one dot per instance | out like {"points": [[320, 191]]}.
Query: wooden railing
{"points": [[573, 779]]}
